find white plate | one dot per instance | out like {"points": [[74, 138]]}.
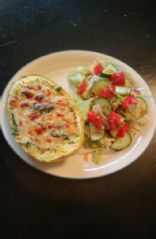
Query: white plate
{"points": [[57, 66]]}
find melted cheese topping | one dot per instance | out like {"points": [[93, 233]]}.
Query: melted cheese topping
{"points": [[41, 117]]}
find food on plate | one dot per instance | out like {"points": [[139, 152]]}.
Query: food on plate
{"points": [[43, 118], [112, 105]]}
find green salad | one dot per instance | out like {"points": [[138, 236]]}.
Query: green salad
{"points": [[111, 104]]}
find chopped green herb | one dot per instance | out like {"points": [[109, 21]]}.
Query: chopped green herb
{"points": [[43, 107], [35, 105], [59, 132], [56, 134], [28, 143], [58, 89], [14, 121], [14, 133], [66, 137], [15, 126], [71, 142], [41, 97]]}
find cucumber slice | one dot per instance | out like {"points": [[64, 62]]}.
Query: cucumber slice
{"points": [[104, 104], [113, 132], [99, 86], [85, 95], [141, 108], [123, 90], [129, 117], [95, 133], [109, 70], [138, 110], [92, 80], [122, 143], [83, 105], [77, 76]]}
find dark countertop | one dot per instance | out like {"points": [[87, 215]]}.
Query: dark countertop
{"points": [[34, 205]]}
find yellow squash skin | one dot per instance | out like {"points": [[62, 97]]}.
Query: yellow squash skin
{"points": [[63, 149]]}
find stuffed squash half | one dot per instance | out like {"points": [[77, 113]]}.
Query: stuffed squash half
{"points": [[44, 119]]}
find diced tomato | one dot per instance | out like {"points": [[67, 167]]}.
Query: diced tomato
{"points": [[14, 102], [82, 88], [108, 92], [114, 119], [96, 119], [118, 78], [115, 116], [112, 125], [122, 130], [27, 94], [40, 130], [34, 115], [24, 104], [128, 101], [38, 98], [98, 69]]}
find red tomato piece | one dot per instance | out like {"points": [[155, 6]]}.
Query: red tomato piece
{"points": [[112, 125], [82, 88], [24, 104], [114, 119], [122, 130], [128, 101], [118, 78], [34, 115], [96, 119], [108, 92], [28, 94], [98, 69], [39, 131], [115, 116]]}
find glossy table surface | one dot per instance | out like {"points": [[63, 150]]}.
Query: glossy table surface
{"points": [[33, 204]]}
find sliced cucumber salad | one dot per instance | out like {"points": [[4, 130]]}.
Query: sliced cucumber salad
{"points": [[110, 103], [122, 142]]}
